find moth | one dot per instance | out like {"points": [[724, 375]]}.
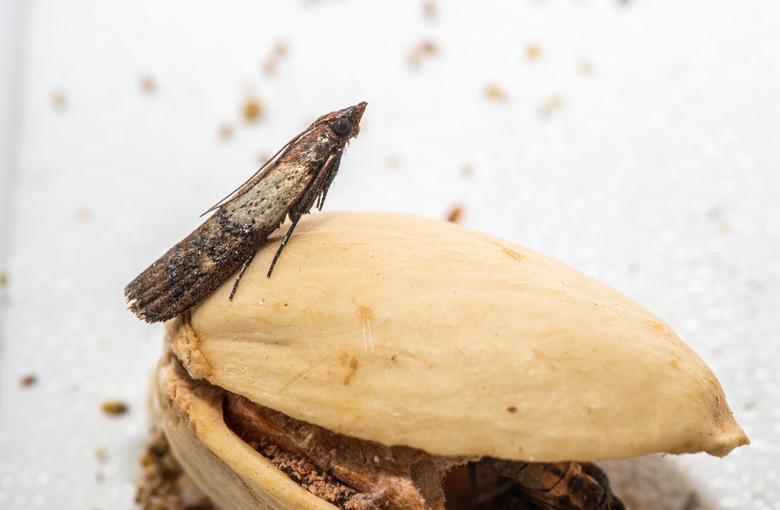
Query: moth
{"points": [[288, 185]]}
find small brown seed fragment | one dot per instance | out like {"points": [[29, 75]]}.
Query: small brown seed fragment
{"points": [[392, 162], [28, 380], [83, 215], [148, 84], [511, 409], [495, 93], [58, 100], [551, 105], [252, 110], [430, 10], [455, 214], [585, 67], [422, 50], [271, 62], [225, 131], [101, 454], [532, 51], [114, 407]]}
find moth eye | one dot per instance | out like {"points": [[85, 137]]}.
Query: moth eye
{"points": [[342, 126]]}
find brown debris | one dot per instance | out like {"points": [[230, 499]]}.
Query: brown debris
{"points": [[252, 110], [58, 100], [83, 215], [430, 10], [28, 380], [3, 279], [422, 50], [148, 84], [511, 409], [101, 454], [163, 482], [371, 475], [532, 51], [100, 477], [392, 162], [585, 67], [455, 214], [114, 407], [271, 62], [495, 93], [551, 105], [225, 131], [466, 171]]}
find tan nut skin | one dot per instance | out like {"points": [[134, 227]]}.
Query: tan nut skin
{"points": [[409, 331]]}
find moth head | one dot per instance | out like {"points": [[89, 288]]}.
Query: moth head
{"points": [[345, 124]]}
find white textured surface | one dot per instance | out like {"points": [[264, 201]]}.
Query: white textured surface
{"points": [[660, 175]]}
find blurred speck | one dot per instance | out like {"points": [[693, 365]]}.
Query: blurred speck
{"points": [[430, 10], [83, 215], [28, 380], [114, 407], [532, 51], [495, 93], [252, 110], [692, 502], [263, 157], [58, 100], [225, 131], [585, 67], [3, 279], [101, 454], [455, 214], [148, 84], [271, 62], [420, 51], [724, 227], [550, 106], [392, 162], [100, 477], [466, 171]]}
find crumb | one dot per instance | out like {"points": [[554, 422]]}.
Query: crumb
{"points": [[430, 10], [420, 51], [692, 502], [532, 51], [83, 215], [392, 162], [271, 62], [252, 110], [58, 100], [495, 93], [114, 407], [466, 171], [147, 83], [28, 380], [225, 131], [585, 67], [455, 214], [101, 454], [551, 105], [511, 409], [3, 279], [100, 477], [163, 483]]}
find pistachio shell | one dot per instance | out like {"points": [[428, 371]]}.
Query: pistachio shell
{"points": [[227, 470], [415, 332]]}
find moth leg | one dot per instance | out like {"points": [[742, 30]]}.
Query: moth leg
{"points": [[282, 244], [240, 274]]}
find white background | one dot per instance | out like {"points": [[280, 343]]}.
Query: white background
{"points": [[660, 175]]}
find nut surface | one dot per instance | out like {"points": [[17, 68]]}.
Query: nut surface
{"points": [[415, 332]]}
